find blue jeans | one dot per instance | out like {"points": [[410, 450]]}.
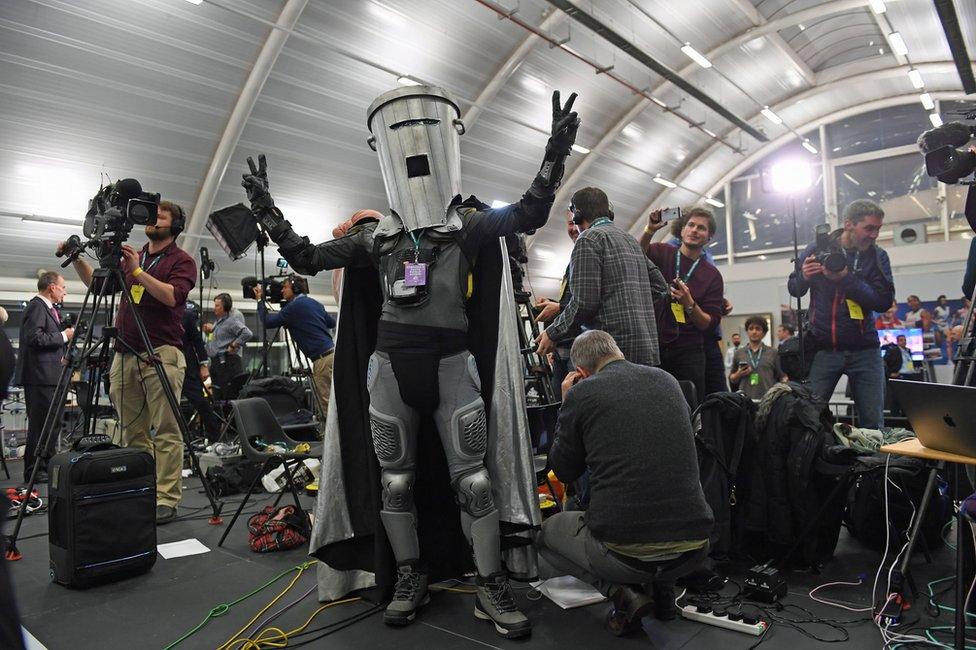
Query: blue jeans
{"points": [[864, 369]]}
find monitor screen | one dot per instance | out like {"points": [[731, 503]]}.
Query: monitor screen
{"points": [[914, 336]]}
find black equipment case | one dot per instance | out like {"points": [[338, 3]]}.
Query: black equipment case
{"points": [[101, 515]]}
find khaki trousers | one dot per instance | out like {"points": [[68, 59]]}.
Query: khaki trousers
{"points": [[322, 381], [141, 403]]}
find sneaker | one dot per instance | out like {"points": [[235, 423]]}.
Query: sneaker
{"points": [[409, 595], [165, 514], [495, 602], [664, 607]]}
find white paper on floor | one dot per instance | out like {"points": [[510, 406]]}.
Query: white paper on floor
{"points": [[568, 592], [181, 548]]}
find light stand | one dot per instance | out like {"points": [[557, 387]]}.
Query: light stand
{"points": [[798, 312]]}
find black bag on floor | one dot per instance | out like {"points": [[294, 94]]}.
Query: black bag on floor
{"points": [[101, 515], [865, 516]]}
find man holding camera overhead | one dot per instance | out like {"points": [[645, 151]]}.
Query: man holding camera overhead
{"points": [[158, 279], [848, 277], [311, 327]]}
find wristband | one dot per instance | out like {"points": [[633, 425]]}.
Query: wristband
{"points": [[137, 272], [649, 230]]}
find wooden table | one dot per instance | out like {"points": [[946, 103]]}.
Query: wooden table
{"points": [[914, 448]]}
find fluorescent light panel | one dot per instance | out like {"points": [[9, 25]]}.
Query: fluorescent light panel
{"points": [[916, 78], [897, 44], [696, 56], [935, 119], [809, 147], [665, 182], [714, 202], [878, 6], [195, 2], [580, 148], [404, 80], [926, 100], [771, 116]]}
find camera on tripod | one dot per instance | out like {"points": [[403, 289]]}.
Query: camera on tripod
{"points": [[271, 288], [111, 214], [829, 251], [944, 159]]}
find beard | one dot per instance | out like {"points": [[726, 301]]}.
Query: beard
{"points": [[157, 233]]}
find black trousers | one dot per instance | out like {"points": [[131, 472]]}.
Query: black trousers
{"points": [[224, 368], [193, 392], [38, 400], [686, 364], [715, 381]]}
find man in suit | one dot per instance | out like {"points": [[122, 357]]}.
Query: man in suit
{"points": [[42, 346]]}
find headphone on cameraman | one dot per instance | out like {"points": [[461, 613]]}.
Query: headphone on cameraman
{"points": [[298, 284], [178, 222], [578, 216]]}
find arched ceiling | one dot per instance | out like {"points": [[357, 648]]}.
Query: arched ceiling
{"points": [[178, 95]]}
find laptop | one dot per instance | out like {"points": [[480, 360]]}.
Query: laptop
{"points": [[943, 416]]}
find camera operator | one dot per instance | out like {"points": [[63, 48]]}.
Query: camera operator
{"points": [[696, 305], [311, 327], [549, 309], [42, 346], [228, 334], [620, 420], [841, 301], [612, 286], [158, 279]]}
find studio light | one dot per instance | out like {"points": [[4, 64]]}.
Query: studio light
{"points": [[791, 176], [665, 182], [771, 116], [696, 56]]}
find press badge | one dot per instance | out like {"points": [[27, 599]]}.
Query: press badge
{"points": [[754, 379], [136, 291], [679, 313], [855, 310], [414, 274]]}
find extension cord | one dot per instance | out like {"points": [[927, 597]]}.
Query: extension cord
{"points": [[755, 629]]}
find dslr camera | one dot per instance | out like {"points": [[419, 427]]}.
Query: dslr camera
{"points": [[828, 250], [271, 288]]}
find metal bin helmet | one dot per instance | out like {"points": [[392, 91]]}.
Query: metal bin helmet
{"points": [[416, 132]]}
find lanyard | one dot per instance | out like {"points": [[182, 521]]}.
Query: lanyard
{"points": [[856, 266], [142, 262], [601, 221], [416, 244], [754, 360], [677, 267]]}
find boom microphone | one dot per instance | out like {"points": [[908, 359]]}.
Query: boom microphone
{"points": [[953, 134]]}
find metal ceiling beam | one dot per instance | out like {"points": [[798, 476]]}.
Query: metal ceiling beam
{"points": [[756, 18], [611, 36], [275, 42], [508, 67], [854, 80], [957, 43]]}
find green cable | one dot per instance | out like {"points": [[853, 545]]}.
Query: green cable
{"points": [[223, 608], [943, 608]]}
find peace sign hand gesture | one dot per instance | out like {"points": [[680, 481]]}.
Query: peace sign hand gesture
{"points": [[565, 122], [256, 184]]}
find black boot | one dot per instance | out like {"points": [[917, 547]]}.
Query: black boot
{"points": [[630, 605], [664, 607]]}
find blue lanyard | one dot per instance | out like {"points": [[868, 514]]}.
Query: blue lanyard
{"points": [[754, 360], [601, 221], [142, 261], [677, 266], [856, 266]]}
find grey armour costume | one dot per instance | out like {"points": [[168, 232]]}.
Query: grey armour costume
{"points": [[424, 253]]}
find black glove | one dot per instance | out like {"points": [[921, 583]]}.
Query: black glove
{"points": [[565, 123], [257, 186]]}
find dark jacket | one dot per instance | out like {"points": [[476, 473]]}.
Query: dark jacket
{"points": [[871, 287], [892, 359], [41, 346], [193, 347], [629, 424]]}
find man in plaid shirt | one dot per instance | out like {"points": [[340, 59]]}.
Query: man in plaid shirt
{"points": [[612, 285]]}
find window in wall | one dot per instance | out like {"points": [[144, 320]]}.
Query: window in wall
{"points": [[898, 184], [761, 218], [882, 129]]}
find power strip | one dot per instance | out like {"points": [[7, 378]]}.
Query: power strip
{"points": [[755, 629]]}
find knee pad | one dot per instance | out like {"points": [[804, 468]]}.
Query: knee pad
{"points": [[474, 492], [397, 490], [389, 438]]}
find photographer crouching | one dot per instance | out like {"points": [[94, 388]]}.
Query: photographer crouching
{"points": [[158, 279], [311, 327], [848, 277]]}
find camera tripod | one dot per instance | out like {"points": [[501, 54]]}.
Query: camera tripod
{"points": [[96, 353]]}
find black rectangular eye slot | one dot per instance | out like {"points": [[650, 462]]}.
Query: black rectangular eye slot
{"points": [[418, 166]]}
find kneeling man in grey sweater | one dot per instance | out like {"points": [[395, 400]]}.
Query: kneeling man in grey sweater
{"points": [[647, 522]]}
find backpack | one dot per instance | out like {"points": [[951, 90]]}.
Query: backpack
{"points": [[865, 516], [277, 529]]}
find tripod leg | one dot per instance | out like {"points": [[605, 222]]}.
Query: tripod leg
{"points": [[247, 496]]}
